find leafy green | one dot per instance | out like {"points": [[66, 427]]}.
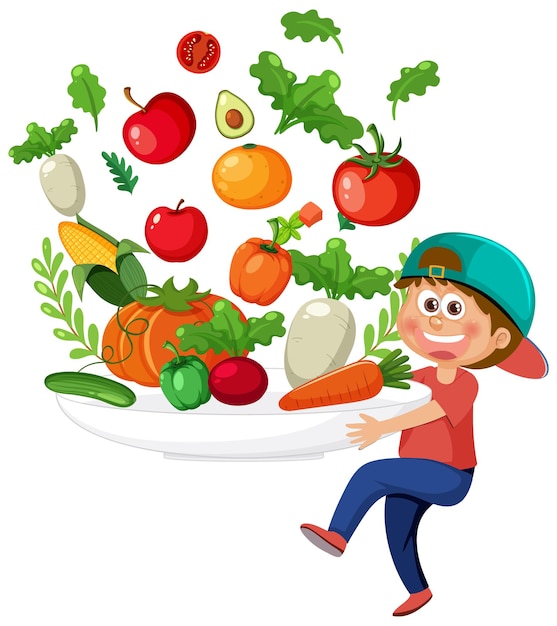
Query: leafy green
{"points": [[86, 92], [310, 103], [413, 80], [41, 143], [386, 324], [123, 175], [332, 272], [309, 25], [344, 223], [289, 228], [62, 309], [226, 331]]}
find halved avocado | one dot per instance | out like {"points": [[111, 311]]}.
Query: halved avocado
{"points": [[233, 116]]}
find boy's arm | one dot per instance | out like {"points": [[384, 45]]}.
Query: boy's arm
{"points": [[370, 430]]}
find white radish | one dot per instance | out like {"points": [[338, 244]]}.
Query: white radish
{"points": [[62, 182], [320, 339]]}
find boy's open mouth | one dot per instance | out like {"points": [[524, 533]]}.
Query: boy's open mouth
{"points": [[444, 347]]}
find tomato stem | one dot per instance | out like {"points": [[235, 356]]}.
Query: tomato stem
{"points": [[376, 160]]}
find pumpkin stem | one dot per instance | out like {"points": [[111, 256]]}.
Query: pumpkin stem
{"points": [[173, 299]]}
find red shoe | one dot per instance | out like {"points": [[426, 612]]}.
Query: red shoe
{"points": [[328, 540], [414, 602]]}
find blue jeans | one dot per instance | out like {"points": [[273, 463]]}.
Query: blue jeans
{"points": [[410, 487]]}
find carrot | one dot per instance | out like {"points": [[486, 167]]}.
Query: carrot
{"points": [[356, 381]]}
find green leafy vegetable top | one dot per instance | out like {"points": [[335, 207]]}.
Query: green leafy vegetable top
{"points": [[413, 80], [40, 142], [309, 25], [226, 331], [331, 271], [310, 103], [86, 92]]}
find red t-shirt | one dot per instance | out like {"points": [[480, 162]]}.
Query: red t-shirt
{"points": [[449, 439]]}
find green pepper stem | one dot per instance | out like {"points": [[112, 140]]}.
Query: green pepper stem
{"points": [[170, 346]]}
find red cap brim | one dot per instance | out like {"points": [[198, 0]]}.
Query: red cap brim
{"points": [[526, 361]]}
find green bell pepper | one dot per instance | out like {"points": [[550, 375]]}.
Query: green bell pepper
{"points": [[184, 380]]}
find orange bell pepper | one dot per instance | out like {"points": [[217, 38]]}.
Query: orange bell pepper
{"points": [[260, 269]]}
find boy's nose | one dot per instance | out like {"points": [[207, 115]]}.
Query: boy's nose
{"points": [[435, 322]]}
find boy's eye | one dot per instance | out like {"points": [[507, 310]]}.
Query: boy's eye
{"points": [[428, 302], [453, 306]]}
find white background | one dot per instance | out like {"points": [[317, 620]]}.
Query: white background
{"points": [[93, 532]]}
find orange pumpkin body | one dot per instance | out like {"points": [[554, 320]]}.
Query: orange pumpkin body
{"points": [[140, 349], [258, 274]]}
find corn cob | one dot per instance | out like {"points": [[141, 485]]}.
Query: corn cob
{"points": [[86, 246]]}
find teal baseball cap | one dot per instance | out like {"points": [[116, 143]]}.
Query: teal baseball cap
{"points": [[497, 273]]}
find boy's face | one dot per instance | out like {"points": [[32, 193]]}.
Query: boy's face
{"points": [[442, 324]]}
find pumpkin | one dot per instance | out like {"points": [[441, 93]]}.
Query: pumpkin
{"points": [[260, 269], [134, 338]]}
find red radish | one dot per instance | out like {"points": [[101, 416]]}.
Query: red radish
{"points": [[238, 380]]}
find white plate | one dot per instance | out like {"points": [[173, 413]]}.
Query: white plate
{"points": [[216, 431]]}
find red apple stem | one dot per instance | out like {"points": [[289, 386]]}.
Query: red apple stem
{"points": [[127, 93], [180, 204]]}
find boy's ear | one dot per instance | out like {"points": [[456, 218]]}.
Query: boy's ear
{"points": [[502, 338]]}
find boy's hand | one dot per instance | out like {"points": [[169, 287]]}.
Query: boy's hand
{"points": [[365, 433]]}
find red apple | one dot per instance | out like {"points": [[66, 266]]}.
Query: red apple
{"points": [[176, 234], [161, 130]]}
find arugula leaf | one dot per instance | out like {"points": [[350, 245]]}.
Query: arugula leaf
{"points": [[331, 271], [310, 103], [123, 175], [226, 331], [86, 92], [336, 262], [369, 281], [413, 80], [306, 269], [41, 143], [309, 25], [262, 330], [275, 80], [333, 125]]}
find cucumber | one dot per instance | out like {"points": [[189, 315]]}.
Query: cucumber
{"points": [[91, 386]]}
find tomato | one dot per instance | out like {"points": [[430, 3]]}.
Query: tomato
{"points": [[238, 380], [252, 177], [378, 188], [198, 52]]}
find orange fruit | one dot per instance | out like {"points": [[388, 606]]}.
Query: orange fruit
{"points": [[252, 177]]}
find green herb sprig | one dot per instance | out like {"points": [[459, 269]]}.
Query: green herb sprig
{"points": [[62, 309], [123, 174], [386, 325]]}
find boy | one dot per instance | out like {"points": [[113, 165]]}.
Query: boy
{"points": [[470, 304]]}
